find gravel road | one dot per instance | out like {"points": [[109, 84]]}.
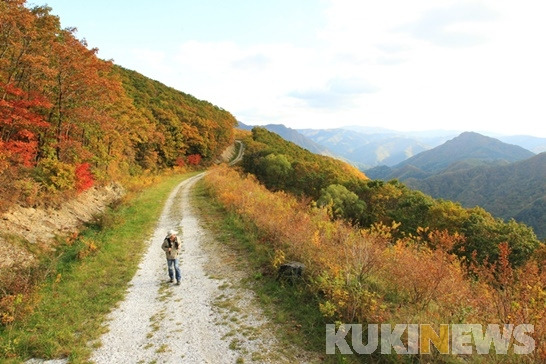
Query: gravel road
{"points": [[209, 318]]}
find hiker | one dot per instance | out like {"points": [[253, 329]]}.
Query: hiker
{"points": [[171, 246]]}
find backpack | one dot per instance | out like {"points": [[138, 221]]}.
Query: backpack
{"points": [[169, 242]]}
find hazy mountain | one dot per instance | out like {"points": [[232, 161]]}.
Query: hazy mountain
{"points": [[339, 141], [515, 190], [534, 144], [243, 126], [431, 138], [467, 150], [375, 146], [434, 138], [467, 146], [293, 136], [369, 147]]}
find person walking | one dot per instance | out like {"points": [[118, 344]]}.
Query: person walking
{"points": [[171, 246]]}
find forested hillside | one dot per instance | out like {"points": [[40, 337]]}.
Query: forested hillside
{"points": [[516, 190], [69, 119], [281, 165], [183, 125]]}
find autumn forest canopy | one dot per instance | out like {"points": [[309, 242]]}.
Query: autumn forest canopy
{"points": [[69, 119]]}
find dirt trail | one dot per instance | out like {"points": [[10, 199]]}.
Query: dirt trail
{"points": [[207, 319]]}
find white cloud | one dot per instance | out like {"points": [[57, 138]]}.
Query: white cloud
{"points": [[337, 93], [420, 64], [255, 61], [451, 26]]}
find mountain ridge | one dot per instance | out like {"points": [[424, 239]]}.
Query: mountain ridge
{"points": [[516, 190], [467, 150], [468, 145]]}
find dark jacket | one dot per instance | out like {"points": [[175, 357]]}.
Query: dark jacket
{"points": [[174, 245]]}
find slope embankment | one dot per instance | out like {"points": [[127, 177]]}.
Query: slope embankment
{"points": [[41, 225]]}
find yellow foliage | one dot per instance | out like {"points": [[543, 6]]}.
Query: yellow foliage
{"points": [[327, 309], [278, 259], [363, 275]]}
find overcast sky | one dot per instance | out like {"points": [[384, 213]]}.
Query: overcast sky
{"points": [[399, 64]]}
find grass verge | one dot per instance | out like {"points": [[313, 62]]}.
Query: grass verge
{"points": [[86, 278]]}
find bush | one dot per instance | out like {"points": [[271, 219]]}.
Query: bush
{"points": [[17, 296], [194, 159], [55, 175], [29, 191], [179, 162]]}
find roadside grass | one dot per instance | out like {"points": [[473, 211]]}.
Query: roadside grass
{"points": [[86, 278], [292, 307]]}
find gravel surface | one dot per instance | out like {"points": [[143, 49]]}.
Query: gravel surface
{"points": [[209, 318], [161, 321]]}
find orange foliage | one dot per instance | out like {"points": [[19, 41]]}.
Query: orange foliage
{"points": [[516, 296], [179, 162], [429, 284], [340, 258], [366, 276]]}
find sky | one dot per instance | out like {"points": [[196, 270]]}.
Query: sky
{"points": [[398, 64]]}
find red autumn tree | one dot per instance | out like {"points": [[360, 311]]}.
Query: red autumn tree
{"points": [[20, 124], [84, 177], [194, 159]]}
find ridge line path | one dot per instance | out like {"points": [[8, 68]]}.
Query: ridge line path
{"points": [[209, 318]]}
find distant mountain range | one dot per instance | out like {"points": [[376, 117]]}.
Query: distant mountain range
{"points": [[366, 150], [362, 147], [368, 147], [467, 150], [505, 177]]}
